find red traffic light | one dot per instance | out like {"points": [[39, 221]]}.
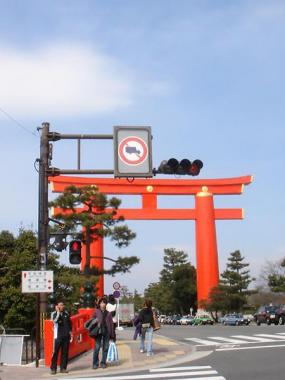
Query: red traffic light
{"points": [[75, 252]]}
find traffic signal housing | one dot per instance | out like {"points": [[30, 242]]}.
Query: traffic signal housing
{"points": [[75, 252], [184, 167], [88, 297]]}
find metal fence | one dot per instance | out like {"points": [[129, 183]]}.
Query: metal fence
{"points": [[29, 344]]}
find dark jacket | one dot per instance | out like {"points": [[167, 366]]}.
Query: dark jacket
{"points": [[108, 320], [62, 324], [146, 316]]}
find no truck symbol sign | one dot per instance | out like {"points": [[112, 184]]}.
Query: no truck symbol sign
{"points": [[133, 150]]}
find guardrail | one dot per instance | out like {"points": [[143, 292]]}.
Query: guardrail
{"points": [[81, 341]]}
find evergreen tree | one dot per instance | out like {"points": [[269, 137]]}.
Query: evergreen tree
{"points": [[184, 291], [235, 281], [171, 258], [274, 274], [96, 216], [17, 309], [176, 290]]}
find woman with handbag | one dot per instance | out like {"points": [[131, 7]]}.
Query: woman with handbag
{"points": [[147, 326], [105, 333]]}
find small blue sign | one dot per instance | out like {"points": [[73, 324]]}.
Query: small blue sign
{"points": [[116, 294]]}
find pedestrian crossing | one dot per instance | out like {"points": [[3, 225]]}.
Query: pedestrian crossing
{"points": [[237, 339], [172, 373]]}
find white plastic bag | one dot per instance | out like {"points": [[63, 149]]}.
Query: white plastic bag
{"points": [[112, 356]]}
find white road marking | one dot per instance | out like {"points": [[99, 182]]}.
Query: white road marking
{"points": [[228, 340], [156, 376], [254, 338], [190, 368], [271, 336], [204, 341], [203, 378], [249, 347]]}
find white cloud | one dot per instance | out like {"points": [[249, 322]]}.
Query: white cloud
{"points": [[62, 81]]}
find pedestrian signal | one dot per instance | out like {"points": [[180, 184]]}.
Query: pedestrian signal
{"points": [[75, 252]]}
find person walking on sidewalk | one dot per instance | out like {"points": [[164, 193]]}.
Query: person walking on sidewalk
{"points": [[62, 335], [105, 321], [147, 325]]}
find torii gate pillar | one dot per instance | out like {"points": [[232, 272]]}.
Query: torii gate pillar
{"points": [[206, 244], [96, 260]]}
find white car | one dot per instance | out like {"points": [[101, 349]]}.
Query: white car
{"points": [[162, 318], [186, 320]]}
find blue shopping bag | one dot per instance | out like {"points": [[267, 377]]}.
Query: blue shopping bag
{"points": [[112, 356]]}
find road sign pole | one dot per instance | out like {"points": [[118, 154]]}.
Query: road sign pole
{"points": [[41, 304]]}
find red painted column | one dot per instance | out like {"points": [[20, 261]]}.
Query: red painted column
{"points": [[97, 249], [206, 245]]}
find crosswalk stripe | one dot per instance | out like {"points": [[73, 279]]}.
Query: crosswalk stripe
{"points": [[203, 378], [190, 368], [250, 348], [155, 376], [227, 340], [239, 339], [271, 336], [203, 341], [254, 338]]}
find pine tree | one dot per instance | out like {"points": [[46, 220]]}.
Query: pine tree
{"points": [[235, 281], [171, 258], [176, 290], [95, 214]]}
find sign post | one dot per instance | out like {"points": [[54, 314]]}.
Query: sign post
{"points": [[116, 295]]}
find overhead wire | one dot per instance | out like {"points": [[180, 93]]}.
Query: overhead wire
{"points": [[17, 122]]}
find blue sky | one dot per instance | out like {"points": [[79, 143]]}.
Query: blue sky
{"points": [[207, 76]]}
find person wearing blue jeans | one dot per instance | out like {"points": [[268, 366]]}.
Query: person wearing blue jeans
{"points": [[147, 322], [107, 333], [146, 336]]}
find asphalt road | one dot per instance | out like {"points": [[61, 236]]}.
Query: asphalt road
{"points": [[238, 352], [225, 353]]}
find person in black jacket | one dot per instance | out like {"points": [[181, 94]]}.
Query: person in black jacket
{"points": [[62, 335], [147, 325]]}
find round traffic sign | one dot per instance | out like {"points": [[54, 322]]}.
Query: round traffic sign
{"points": [[133, 150], [116, 294], [116, 286]]}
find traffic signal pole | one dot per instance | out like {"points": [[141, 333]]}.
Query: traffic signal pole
{"points": [[43, 220]]}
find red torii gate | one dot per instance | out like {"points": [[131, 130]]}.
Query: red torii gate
{"points": [[204, 214]]}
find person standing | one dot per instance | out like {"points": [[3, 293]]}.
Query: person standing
{"points": [[107, 333], [62, 333], [112, 308], [147, 326]]}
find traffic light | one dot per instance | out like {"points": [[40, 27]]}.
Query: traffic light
{"points": [[51, 301], [75, 252], [60, 243], [184, 167], [88, 297]]}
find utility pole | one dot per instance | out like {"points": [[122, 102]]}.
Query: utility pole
{"points": [[41, 304]]}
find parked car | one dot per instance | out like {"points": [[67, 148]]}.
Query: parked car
{"points": [[162, 318], [235, 319], [186, 320], [270, 314], [175, 319], [202, 320]]}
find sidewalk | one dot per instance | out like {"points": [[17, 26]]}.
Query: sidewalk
{"points": [[165, 351]]}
